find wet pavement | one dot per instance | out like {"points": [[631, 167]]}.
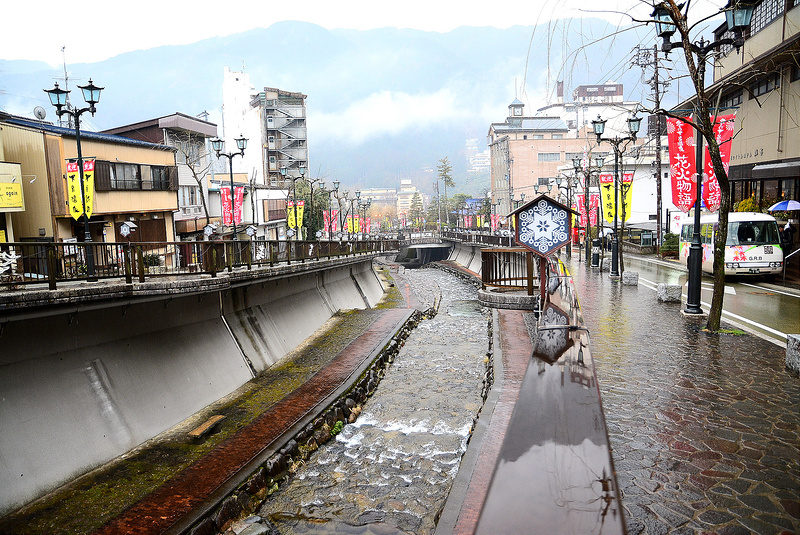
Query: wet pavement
{"points": [[705, 428]]}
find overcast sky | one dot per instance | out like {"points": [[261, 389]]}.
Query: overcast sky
{"points": [[94, 31]]}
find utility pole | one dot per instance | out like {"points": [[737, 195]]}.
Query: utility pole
{"points": [[644, 58]]}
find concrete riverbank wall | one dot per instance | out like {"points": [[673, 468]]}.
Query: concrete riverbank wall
{"points": [[88, 380], [467, 255]]}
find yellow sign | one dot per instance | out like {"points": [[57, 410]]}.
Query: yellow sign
{"points": [[88, 186], [300, 207], [609, 205], [290, 214], [11, 196], [75, 197]]}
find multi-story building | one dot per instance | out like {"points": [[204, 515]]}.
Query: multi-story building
{"points": [[527, 151], [274, 122], [135, 181], [761, 82], [189, 136]]}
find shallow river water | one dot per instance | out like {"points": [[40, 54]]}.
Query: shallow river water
{"points": [[391, 470]]}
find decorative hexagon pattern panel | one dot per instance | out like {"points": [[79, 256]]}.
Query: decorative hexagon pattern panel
{"points": [[543, 227]]}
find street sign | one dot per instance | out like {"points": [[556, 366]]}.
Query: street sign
{"points": [[543, 225]]}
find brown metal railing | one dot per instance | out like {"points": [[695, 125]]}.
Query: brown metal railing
{"points": [[510, 267], [24, 263]]}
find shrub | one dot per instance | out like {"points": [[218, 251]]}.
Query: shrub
{"points": [[747, 205], [670, 243], [151, 259]]}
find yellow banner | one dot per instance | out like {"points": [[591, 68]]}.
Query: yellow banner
{"points": [[300, 206], [349, 224], [74, 198], [290, 214], [607, 196], [356, 224], [88, 186], [627, 186], [11, 195]]}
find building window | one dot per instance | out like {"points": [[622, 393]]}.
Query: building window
{"points": [[558, 136], [764, 85], [160, 178], [764, 13], [125, 176], [544, 181], [572, 155], [795, 75], [733, 100], [549, 156], [538, 136]]}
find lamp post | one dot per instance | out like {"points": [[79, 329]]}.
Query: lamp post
{"points": [[284, 171], [668, 18], [58, 98], [577, 163], [219, 146], [599, 126], [335, 193]]}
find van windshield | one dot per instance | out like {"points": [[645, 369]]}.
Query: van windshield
{"points": [[753, 233]]}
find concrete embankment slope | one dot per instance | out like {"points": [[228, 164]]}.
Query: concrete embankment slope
{"points": [[86, 381], [467, 255]]}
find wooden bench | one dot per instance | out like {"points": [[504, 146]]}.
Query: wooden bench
{"points": [[206, 427]]}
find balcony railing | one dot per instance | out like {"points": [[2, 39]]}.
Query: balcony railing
{"points": [[57, 262], [510, 268]]}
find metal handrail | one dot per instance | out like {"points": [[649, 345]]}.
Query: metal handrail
{"points": [[24, 263]]}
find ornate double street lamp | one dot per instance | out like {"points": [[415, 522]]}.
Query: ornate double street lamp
{"points": [[284, 171], [599, 126], [335, 193], [577, 164], [58, 98], [668, 17], [219, 146]]}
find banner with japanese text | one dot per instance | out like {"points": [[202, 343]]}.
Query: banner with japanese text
{"points": [[227, 206], [594, 202], [238, 201], [74, 190], [335, 221], [723, 133], [76, 198], [88, 185], [368, 225], [468, 221], [350, 225], [300, 207], [495, 219], [326, 221], [290, 213], [627, 194], [682, 163], [607, 196]]}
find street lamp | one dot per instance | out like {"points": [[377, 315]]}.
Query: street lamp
{"points": [[738, 14], [577, 164], [598, 127], [302, 170], [58, 98], [219, 146], [330, 215]]}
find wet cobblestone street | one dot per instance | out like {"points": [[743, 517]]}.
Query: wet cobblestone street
{"points": [[705, 428]]}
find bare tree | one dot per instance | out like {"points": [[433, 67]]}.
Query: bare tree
{"points": [[192, 152]]}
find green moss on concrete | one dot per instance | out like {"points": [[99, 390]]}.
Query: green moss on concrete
{"points": [[95, 498]]}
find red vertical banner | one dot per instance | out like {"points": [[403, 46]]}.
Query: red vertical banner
{"points": [[227, 208], [594, 203], [369, 225], [682, 164], [326, 221], [723, 133], [335, 222], [238, 201]]}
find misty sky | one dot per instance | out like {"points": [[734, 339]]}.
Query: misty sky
{"points": [[99, 30]]}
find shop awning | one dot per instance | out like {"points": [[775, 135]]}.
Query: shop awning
{"points": [[777, 170]]}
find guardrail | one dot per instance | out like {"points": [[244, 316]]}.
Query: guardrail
{"points": [[23, 263], [508, 268], [479, 238]]}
